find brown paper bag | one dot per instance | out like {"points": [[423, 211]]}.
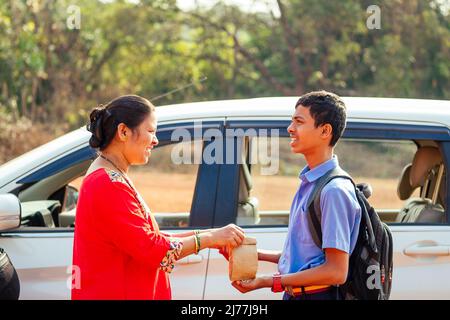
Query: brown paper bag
{"points": [[243, 261]]}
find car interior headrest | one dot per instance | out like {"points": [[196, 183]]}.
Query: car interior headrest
{"points": [[404, 188], [425, 159]]}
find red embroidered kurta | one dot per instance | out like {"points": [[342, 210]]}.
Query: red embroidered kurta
{"points": [[118, 248]]}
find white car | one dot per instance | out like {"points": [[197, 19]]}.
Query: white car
{"points": [[253, 189]]}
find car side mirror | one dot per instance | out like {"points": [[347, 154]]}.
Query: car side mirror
{"points": [[10, 212]]}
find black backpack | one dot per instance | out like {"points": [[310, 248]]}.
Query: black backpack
{"points": [[370, 265]]}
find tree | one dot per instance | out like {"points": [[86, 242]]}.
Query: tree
{"points": [[322, 44]]}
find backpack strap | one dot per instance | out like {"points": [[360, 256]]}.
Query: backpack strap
{"points": [[314, 214]]}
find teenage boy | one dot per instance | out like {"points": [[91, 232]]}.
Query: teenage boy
{"points": [[305, 270]]}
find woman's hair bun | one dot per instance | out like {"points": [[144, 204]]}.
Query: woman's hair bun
{"points": [[95, 126]]}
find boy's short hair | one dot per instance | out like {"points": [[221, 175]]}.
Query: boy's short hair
{"points": [[326, 107]]}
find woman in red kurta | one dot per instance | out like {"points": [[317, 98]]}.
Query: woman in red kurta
{"points": [[119, 252]]}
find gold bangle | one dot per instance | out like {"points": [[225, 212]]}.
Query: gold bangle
{"points": [[197, 242], [198, 246]]}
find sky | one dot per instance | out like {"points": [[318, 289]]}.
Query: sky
{"points": [[259, 5], [265, 5], [245, 5]]}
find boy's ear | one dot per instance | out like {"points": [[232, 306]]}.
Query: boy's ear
{"points": [[327, 130]]}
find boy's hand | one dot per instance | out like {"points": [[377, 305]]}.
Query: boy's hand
{"points": [[245, 286]]}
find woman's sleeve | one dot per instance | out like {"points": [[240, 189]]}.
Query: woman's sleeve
{"points": [[168, 262], [123, 222]]}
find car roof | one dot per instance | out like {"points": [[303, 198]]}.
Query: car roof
{"points": [[391, 109]]}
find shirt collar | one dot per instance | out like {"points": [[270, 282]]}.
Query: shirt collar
{"points": [[307, 175]]}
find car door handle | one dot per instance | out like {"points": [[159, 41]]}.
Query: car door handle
{"points": [[427, 250], [191, 259]]}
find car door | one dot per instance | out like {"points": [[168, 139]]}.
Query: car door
{"points": [[421, 257], [42, 254], [42, 260], [371, 152]]}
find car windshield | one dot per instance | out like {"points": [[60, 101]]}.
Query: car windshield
{"points": [[48, 150]]}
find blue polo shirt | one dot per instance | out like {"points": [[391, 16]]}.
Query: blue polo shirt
{"points": [[341, 215]]}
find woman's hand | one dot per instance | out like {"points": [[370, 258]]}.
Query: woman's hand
{"points": [[230, 235], [245, 286], [225, 252]]}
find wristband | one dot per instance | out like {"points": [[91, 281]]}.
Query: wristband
{"points": [[276, 286]]}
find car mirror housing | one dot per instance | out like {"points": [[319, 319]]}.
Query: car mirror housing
{"points": [[10, 212]]}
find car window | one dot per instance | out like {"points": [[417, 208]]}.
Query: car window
{"points": [[386, 165], [47, 201], [167, 184], [267, 189], [378, 163]]}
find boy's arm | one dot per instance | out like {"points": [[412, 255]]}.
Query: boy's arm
{"points": [[263, 255], [269, 255], [332, 272]]}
